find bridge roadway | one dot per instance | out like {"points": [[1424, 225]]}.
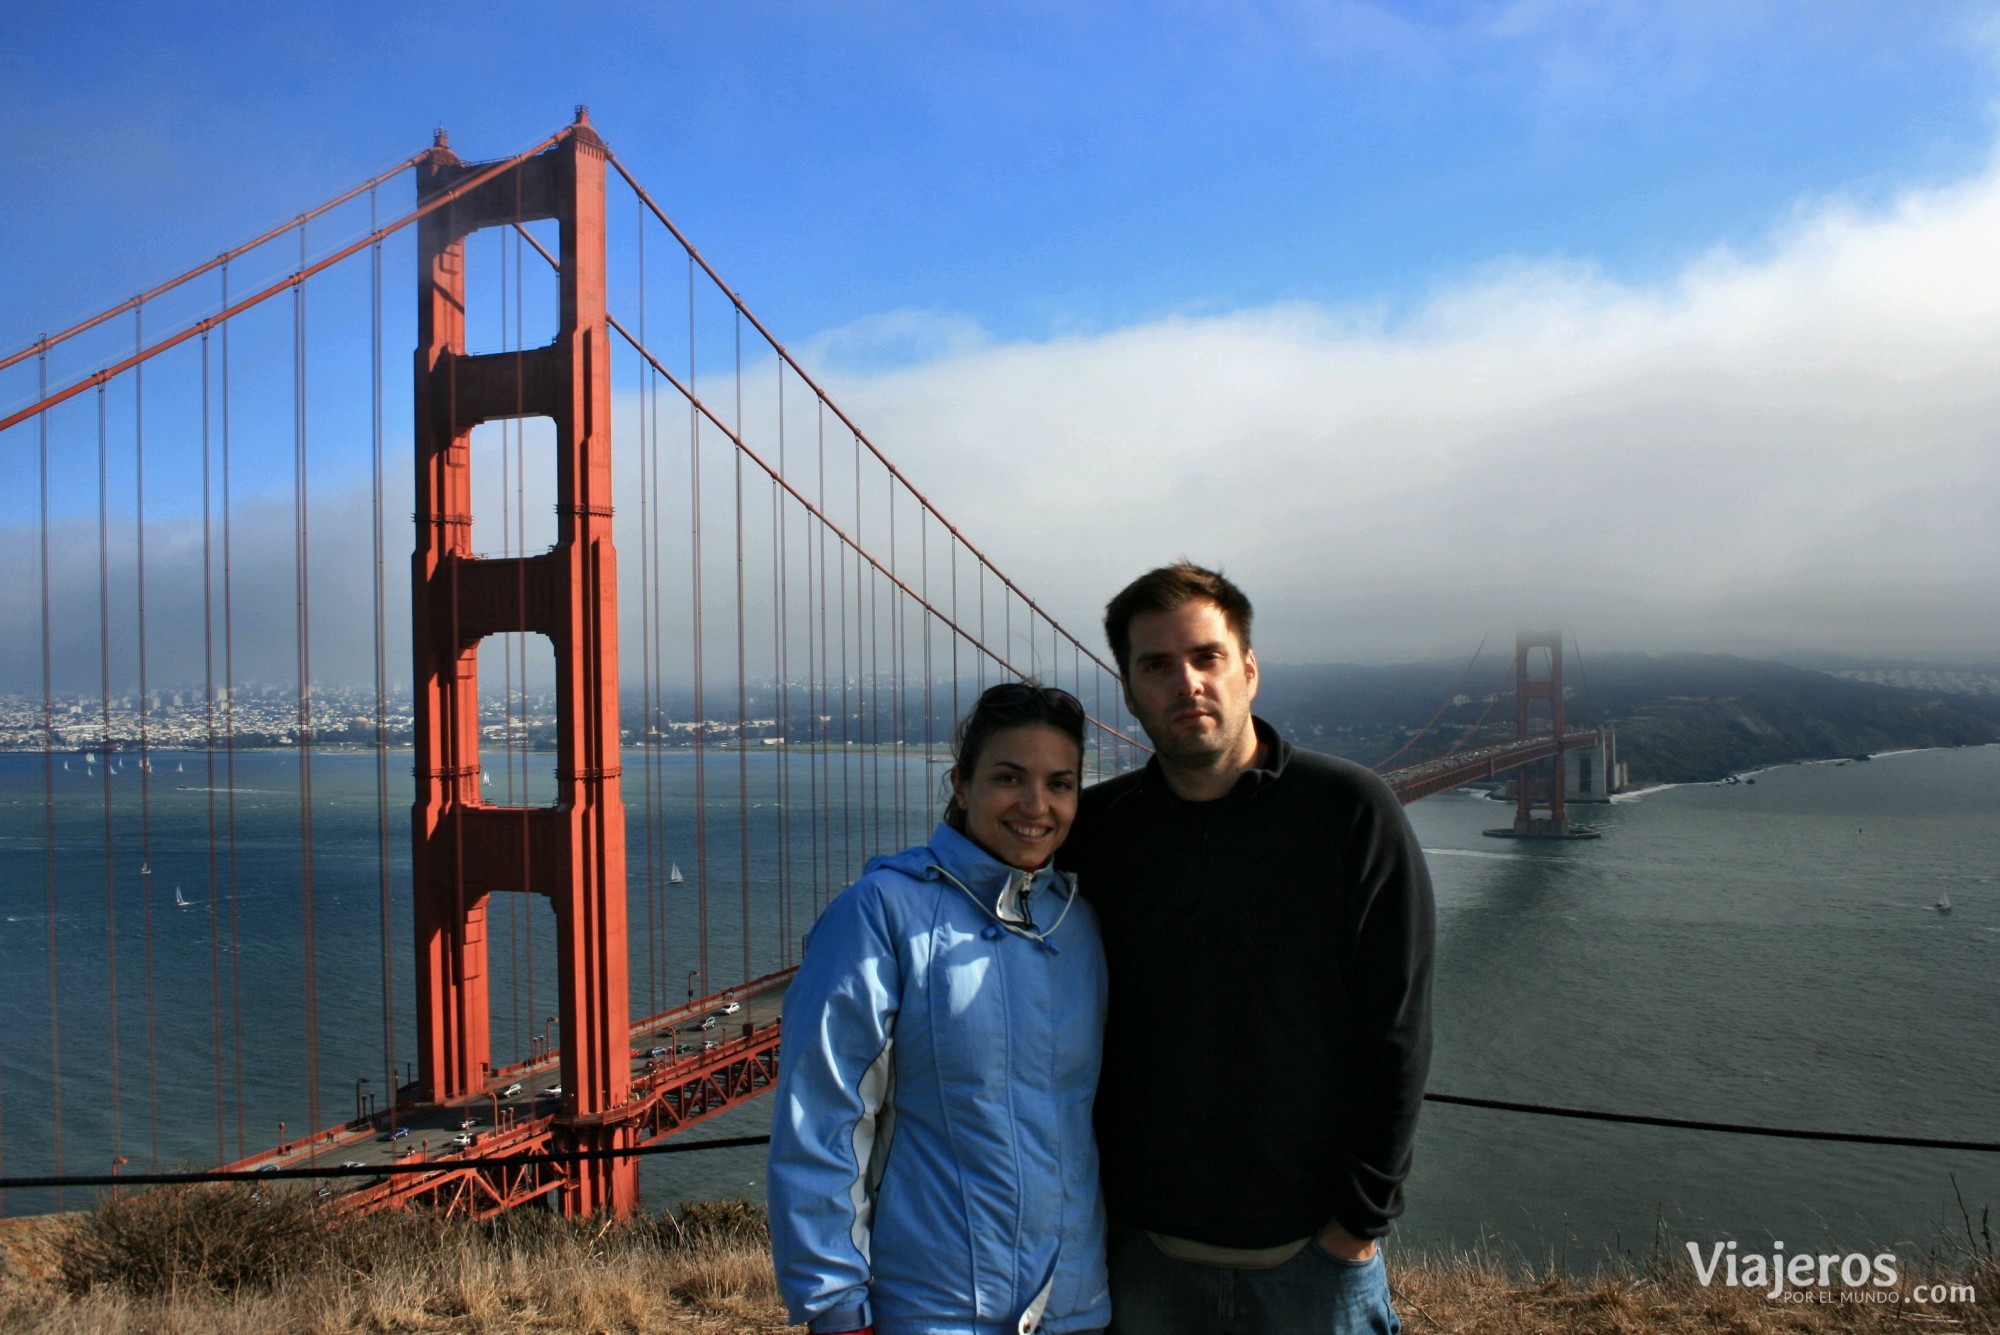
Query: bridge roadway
{"points": [[667, 1049], [1416, 782]]}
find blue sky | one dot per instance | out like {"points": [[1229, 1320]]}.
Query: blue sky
{"points": [[1554, 227], [1036, 168]]}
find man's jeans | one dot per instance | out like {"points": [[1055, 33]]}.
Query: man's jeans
{"points": [[1311, 1294]]}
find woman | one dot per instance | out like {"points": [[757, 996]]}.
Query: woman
{"points": [[932, 1167]]}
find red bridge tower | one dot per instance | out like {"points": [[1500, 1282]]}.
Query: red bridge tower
{"points": [[1540, 784], [466, 849]]}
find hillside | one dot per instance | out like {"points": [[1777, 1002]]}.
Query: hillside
{"points": [[1679, 717]]}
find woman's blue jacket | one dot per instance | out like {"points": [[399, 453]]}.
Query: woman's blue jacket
{"points": [[932, 1164]]}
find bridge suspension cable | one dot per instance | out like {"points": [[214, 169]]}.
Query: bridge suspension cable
{"points": [[44, 344], [974, 636], [861, 438], [1576, 648], [97, 379], [1506, 680], [1449, 696], [821, 554]]}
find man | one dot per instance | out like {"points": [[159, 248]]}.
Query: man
{"points": [[1267, 922]]}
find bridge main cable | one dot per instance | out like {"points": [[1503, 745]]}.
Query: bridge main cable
{"points": [[846, 421], [695, 401], [1449, 696], [284, 284], [47, 341]]}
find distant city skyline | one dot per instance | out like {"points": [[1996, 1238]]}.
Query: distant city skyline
{"points": [[1672, 325]]}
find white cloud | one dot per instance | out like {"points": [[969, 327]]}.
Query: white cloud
{"points": [[895, 338], [1796, 447], [1799, 447]]}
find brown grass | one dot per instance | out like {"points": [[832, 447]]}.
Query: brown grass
{"points": [[1466, 1295], [230, 1260]]}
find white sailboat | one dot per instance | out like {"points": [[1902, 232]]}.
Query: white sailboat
{"points": [[180, 900], [674, 876], [1943, 904]]}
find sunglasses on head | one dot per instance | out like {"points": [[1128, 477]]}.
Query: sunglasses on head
{"points": [[1058, 701]]}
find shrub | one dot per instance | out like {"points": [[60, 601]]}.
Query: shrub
{"points": [[222, 1236]]}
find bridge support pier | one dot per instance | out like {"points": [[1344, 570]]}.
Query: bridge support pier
{"points": [[1539, 808], [465, 848]]}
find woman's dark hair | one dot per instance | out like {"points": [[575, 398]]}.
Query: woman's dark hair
{"points": [[1011, 704]]}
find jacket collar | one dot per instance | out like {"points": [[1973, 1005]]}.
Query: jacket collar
{"points": [[990, 882], [1001, 890]]}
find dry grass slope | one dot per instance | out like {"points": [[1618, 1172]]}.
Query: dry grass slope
{"points": [[236, 1260], [1463, 1295]]}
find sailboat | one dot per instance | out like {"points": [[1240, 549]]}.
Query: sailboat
{"points": [[145, 869], [1943, 904], [180, 900], [674, 876]]}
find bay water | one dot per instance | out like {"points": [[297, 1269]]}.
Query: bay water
{"points": [[1767, 953]]}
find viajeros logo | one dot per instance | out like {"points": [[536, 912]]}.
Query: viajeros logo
{"points": [[1815, 1276]]}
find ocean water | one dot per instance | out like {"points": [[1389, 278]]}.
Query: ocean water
{"points": [[1761, 953], [169, 1035]]}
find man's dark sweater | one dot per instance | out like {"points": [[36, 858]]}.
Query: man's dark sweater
{"points": [[1269, 1030]]}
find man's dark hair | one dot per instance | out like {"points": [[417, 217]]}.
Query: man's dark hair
{"points": [[1166, 589]]}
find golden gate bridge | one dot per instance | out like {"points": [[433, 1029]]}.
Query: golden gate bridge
{"points": [[219, 491]]}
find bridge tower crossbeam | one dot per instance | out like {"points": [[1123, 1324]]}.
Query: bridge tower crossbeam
{"points": [[465, 848]]}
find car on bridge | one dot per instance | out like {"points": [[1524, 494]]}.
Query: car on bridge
{"points": [[732, 1008], [511, 1090], [398, 1134]]}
